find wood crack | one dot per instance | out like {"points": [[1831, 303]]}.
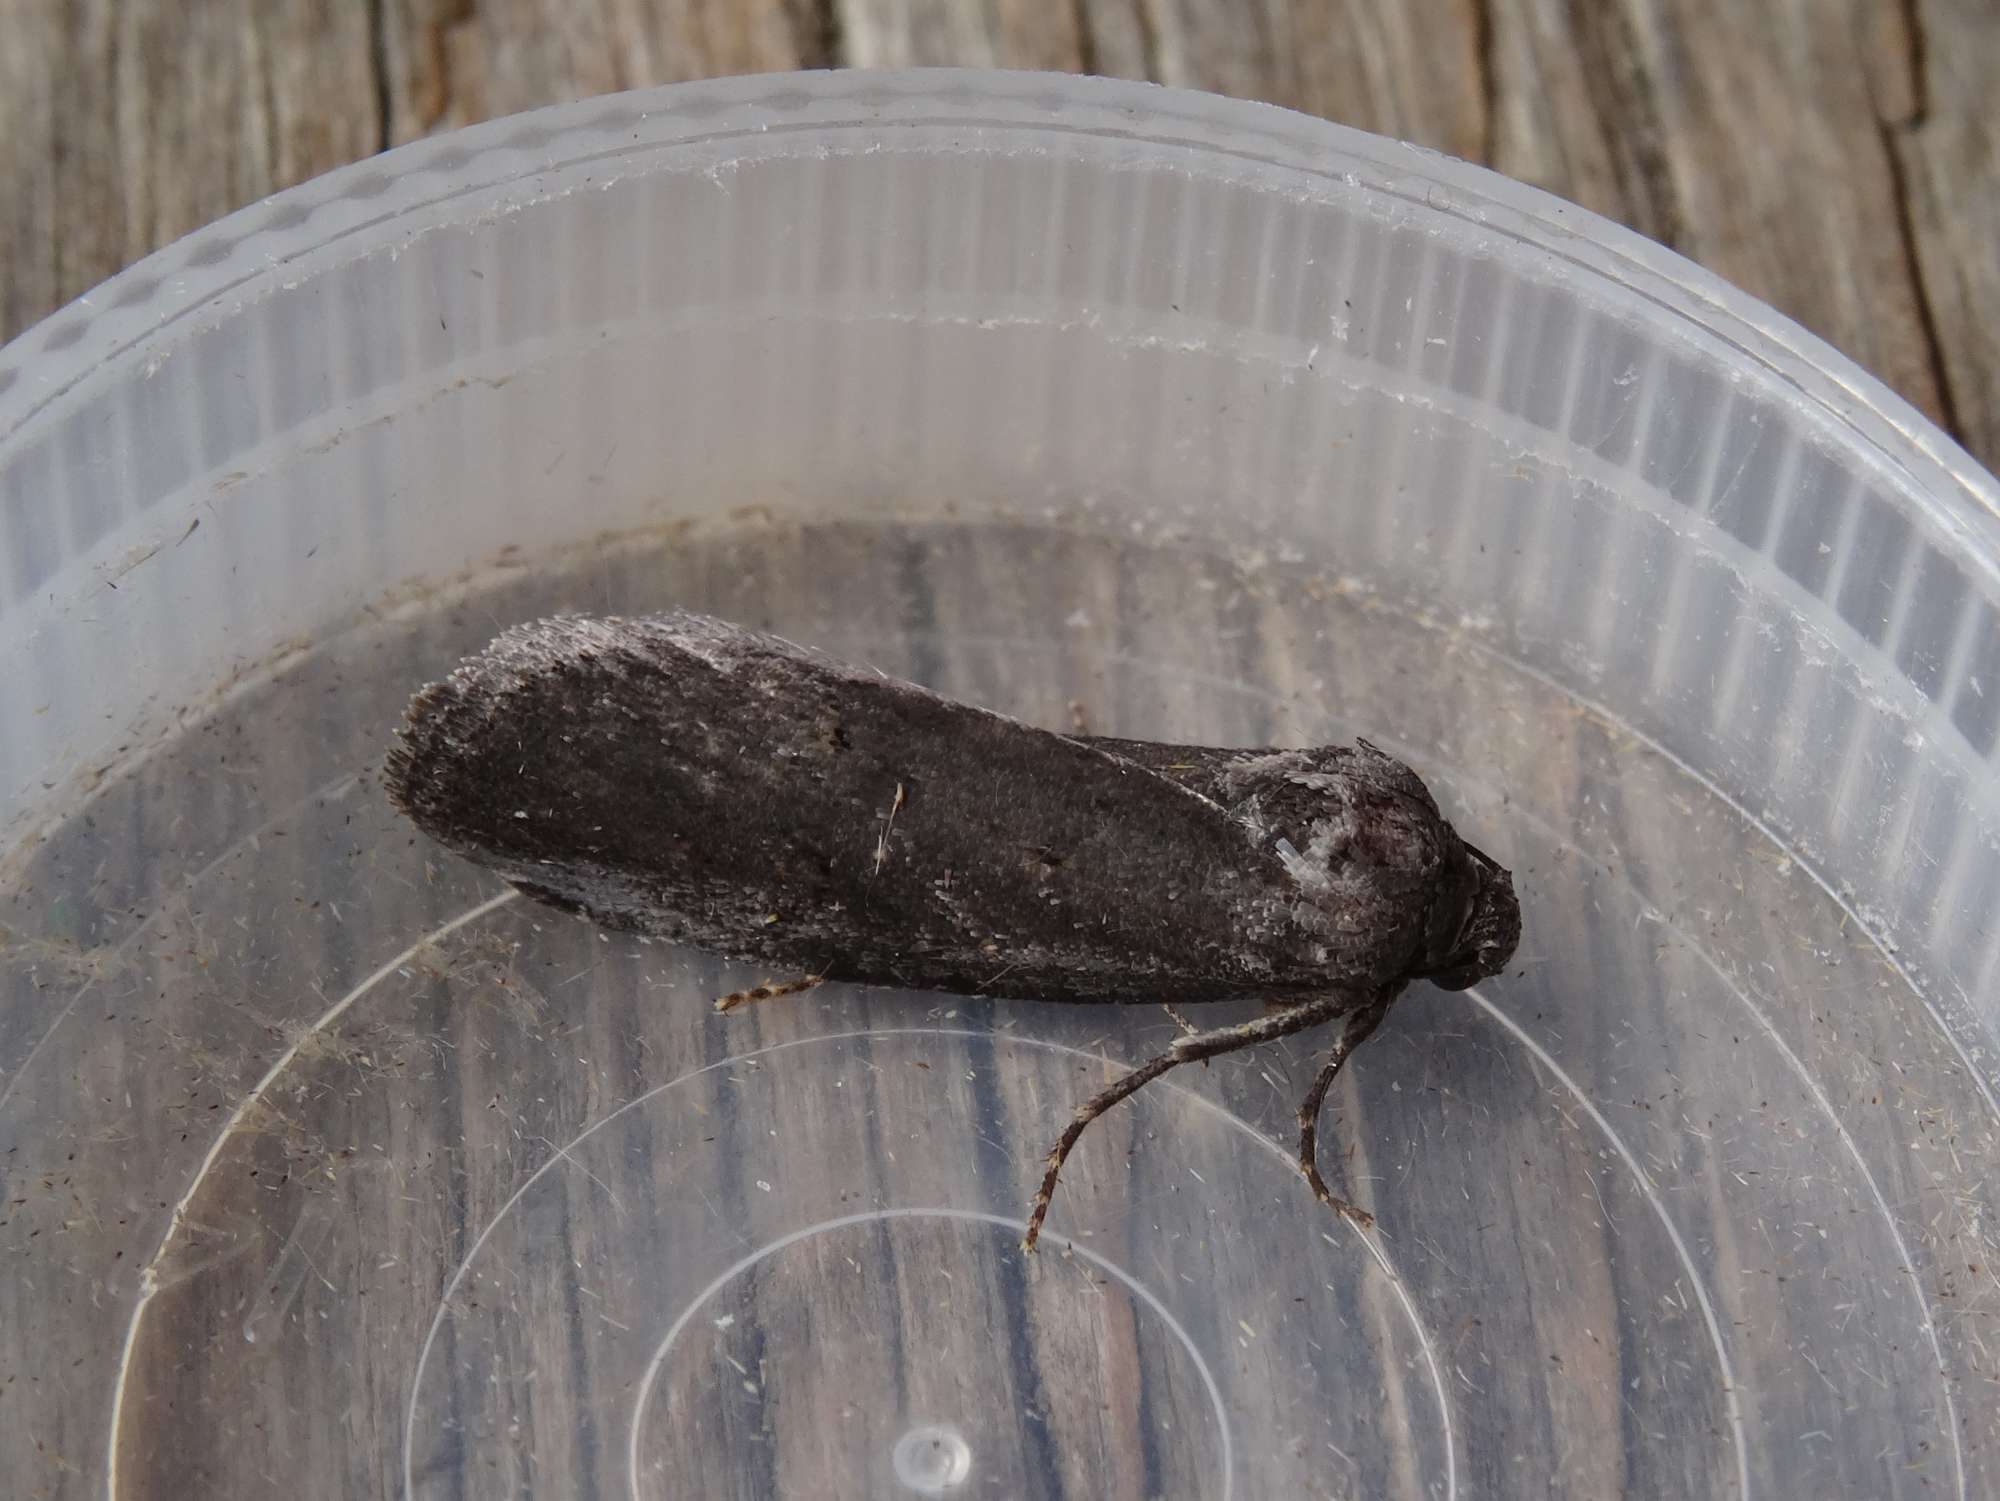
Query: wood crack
{"points": [[1486, 64], [1086, 40], [1920, 292], [1623, 96], [1916, 39], [822, 39], [378, 64], [1897, 130]]}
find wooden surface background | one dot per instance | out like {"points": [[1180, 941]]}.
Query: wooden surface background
{"points": [[1838, 158]]}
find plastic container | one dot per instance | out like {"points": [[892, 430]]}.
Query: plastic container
{"points": [[332, 1171]]}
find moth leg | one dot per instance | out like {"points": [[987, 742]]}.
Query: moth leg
{"points": [[737, 998], [1198, 1045], [1180, 1020], [1356, 1032]]}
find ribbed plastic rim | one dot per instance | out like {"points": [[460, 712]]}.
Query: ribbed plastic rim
{"points": [[228, 260]]}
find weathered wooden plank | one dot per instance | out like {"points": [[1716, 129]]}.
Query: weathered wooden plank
{"points": [[1950, 159], [449, 63], [1753, 138], [960, 33], [1117, 38], [125, 126], [1412, 71], [39, 170]]}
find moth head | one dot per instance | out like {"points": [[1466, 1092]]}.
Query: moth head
{"points": [[1475, 921]]}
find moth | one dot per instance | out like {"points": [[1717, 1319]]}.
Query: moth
{"points": [[680, 776]]}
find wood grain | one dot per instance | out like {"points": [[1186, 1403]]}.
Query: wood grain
{"points": [[123, 127], [1949, 157], [1753, 138], [1411, 71], [447, 63], [979, 34]]}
